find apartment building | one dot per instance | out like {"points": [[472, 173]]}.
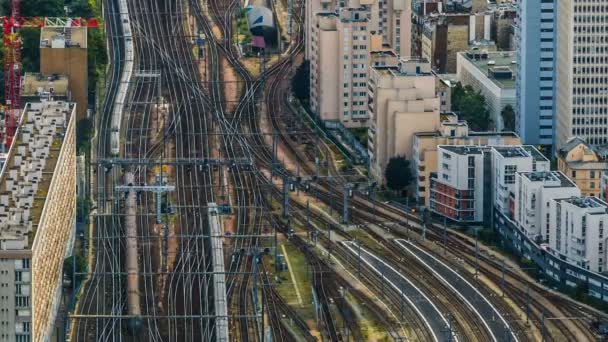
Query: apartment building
{"points": [[493, 74], [402, 101], [506, 162], [310, 21], [578, 233], [392, 19], [461, 188], [63, 51], [339, 66], [452, 132], [582, 65], [535, 47], [37, 218], [532, 197], [442, 36], [584, 163]]}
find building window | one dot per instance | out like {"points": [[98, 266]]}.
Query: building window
{"points": [[573, 174]]}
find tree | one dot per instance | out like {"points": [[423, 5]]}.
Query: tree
{"points": [[84, 133], [508, 117], [471, 106], [398, 173], [301, 82]]}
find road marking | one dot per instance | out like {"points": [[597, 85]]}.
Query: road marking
{"points": [[293, 277]]}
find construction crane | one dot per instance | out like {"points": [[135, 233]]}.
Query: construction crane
{"points": [[12, 61]]}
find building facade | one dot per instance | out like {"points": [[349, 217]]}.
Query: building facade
{"points": [[474, 181], [451, 132], [582, 65], [584, 163], [535, 44], [532, 197], [402, 101], [392, 19], [37, 218], [506, 162], [578, 233], [493, 74], [460, 189], [339, 64], [63, 51]]}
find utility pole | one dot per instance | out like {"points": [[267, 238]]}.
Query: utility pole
{"points": [[359, 260], [445, 233], [345, 195], [316, 154], [274, 153], [476, 255], [285, 196], [502, 281], [527, 304]]}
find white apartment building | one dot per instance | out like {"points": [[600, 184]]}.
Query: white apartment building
{"points": [[578, 233], [506, 162], [339, 66], [532, 197], [402, 101], [459, 190], [582, 71], [392, 19]]}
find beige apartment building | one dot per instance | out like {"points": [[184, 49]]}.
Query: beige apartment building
{"points": [[402, 102], [310, 21], [451, 132], [37, 218], [63, 51], [339, 66], [582, 85], [584, 164], [392, 19]]}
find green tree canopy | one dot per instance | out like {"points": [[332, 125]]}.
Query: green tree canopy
{"points": [[508, 117], [398, 173], [301, 81], [471, 106]]}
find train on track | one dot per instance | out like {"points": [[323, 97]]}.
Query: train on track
{"points": [[260, 17], [125, 78]]}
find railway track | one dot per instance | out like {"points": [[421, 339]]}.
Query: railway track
{"points": [[201, 124]]}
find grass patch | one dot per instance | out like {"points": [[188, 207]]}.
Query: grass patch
{"points": [[285, 286]]}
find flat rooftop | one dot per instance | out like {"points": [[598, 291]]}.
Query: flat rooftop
{"points": [[26, 176], [464, 150], [36, 84], [63, 37], [382, 53], [587, 202], [520, 151], [497, 61], [511, 151], [550, 179]]}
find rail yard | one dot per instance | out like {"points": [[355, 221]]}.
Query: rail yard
{"points": [[202, 154]]}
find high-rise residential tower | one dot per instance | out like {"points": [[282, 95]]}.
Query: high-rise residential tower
{"points": [[393, 20], [339, 63], [582, 71], [535, 44]]}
